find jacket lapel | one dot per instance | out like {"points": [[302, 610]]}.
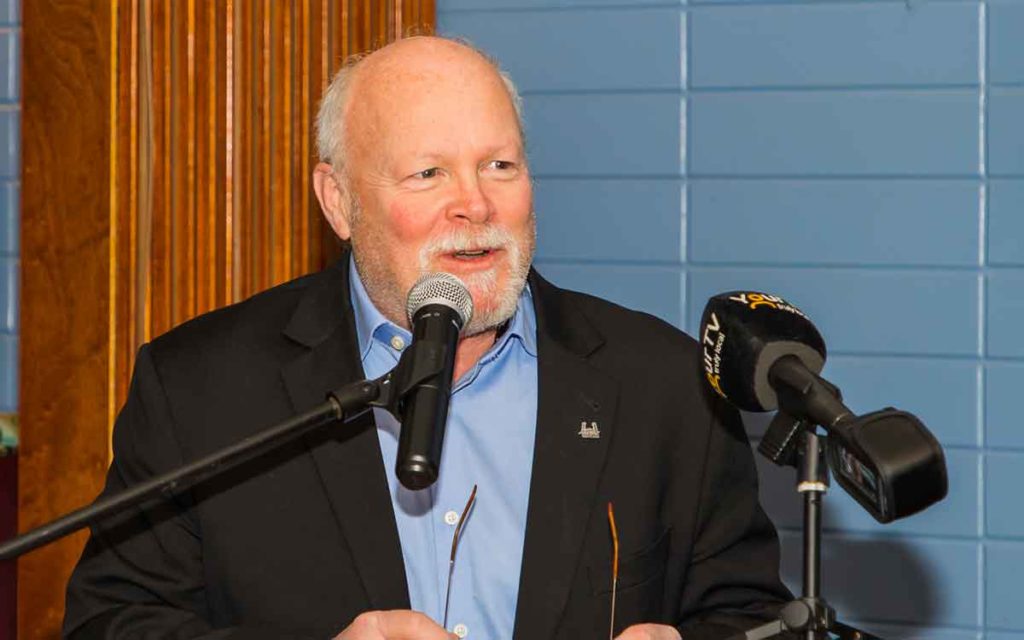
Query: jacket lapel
{"points": [[347, 456], [576, 406]]}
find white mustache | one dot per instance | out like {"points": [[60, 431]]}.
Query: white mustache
{"points": [[490, 238]]}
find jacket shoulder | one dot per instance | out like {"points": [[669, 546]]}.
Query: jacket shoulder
{"points": [[245, 325], [642, 333]]}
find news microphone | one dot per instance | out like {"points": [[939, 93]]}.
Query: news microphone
{"points": [[439, 306], [761, 329], [762, 353]]}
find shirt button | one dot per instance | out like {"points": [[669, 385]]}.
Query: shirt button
{"points": [[397, 343], [461, 630], [451, 517]]}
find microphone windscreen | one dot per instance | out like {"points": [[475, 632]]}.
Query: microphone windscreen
{"points": [[743, 333], [440, 288]]}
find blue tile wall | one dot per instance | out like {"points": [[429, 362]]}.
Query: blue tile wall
{"points": [[1004, 564], [9, 295], [8, 364], [879, 222], [1004, 422], [834, 45], [9, 219], [604, 134], [815, 133], [655, 289], [1005, 298], [10, 167], [9, 142], [10, 12], [863, 158], [1003, 514], [1005, 134], [871, 382], [450, 8], [9, 67], [1006, 222], [614, 220], [1006, 47], [869, 311], [604, 56]]}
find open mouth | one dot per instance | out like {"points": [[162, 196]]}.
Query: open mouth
{"points": [[470, 254]]}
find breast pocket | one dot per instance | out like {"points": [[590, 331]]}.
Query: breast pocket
{"points": [[635, 568]]}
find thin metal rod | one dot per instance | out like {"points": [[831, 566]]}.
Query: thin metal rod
{"points": [[353, 397], [812, 484], [812, 545], [455, 547], [615, 567]]}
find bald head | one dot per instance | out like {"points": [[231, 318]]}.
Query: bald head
{"points": [[424, 170], [369, 87]]}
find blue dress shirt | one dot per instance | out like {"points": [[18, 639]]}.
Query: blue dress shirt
{"points": [[488, 442]]}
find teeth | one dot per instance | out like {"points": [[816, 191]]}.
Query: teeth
{"points": [[474, 254]]}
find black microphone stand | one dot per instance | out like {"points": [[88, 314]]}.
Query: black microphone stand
{"points": [[810, 616], [418, 363]]}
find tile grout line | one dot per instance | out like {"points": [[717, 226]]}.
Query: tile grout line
{"points": [[982, 300], [686, 213]]}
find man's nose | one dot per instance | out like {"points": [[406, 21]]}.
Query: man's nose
{"points": [[471, 202]]}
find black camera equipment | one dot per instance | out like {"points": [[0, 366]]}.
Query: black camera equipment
{"points": [[763, 354]]}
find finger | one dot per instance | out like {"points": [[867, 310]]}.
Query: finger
{"points": [[409, 625], [649, 632]]}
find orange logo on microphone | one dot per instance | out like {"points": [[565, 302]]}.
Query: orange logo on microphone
{"points": [[754, 300], [713, 340], [716, 382]]}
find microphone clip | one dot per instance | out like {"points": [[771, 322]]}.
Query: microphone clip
{"points": [[780, 443], [421, 361]]}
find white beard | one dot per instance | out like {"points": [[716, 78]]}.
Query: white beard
{"points": [[483, 285]]}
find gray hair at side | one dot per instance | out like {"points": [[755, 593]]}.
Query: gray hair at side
{"points": [[330, 118]]}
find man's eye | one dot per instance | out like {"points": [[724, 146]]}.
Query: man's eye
{"points": [[502, 165], [427, 174]]}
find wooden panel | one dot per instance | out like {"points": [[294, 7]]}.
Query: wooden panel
{"points": [[65, 289], [167, 148]]}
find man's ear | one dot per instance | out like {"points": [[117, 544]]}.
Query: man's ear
{"points": [[335, 202]]}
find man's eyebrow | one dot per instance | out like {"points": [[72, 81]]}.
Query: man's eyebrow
{"points": [[417, 157]]}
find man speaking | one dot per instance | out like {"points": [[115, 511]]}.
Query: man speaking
{"points": [[561, 403]]}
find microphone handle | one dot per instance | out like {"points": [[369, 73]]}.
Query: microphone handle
{"points": [[803, 394], [425, 410]]}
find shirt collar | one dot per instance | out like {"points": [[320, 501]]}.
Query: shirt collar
{"points": [[372, 325], [370, 322]]}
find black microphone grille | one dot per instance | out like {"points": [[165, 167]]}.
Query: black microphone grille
{"points": [[440, 288]]}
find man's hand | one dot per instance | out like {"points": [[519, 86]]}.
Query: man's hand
{"points": [[394, 625], [649, 632]]}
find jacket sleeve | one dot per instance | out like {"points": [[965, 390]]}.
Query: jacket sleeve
{"points": [[733, 579], [141, 574]]}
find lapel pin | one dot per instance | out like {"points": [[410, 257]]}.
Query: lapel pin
{"points": [[589, 433]]}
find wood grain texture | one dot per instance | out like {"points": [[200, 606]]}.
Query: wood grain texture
{"points": [[65, 290], [167, 153]]}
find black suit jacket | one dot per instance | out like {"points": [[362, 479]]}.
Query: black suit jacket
{"points": [[299, 542]]}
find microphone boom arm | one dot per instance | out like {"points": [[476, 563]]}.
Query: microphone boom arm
{"points": [[420, 362], [344, 404]]}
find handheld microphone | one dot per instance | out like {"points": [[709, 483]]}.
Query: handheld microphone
{"points": [[439, 306], [761, 353]]}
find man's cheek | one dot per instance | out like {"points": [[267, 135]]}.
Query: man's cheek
{"points": [[410, 221]]}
